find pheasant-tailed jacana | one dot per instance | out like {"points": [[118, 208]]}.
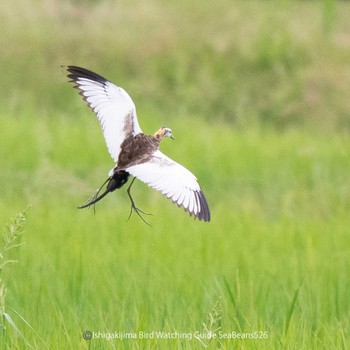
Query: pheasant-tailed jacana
{"points": [[135, 153]]}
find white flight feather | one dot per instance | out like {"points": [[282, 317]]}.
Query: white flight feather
{"points": [[170, 178], [113, 107]]}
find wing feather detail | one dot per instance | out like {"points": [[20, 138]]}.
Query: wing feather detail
{"points": [[112, 105], [175, 182]]}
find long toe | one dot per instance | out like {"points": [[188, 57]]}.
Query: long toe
{"points": [[138, 211]]}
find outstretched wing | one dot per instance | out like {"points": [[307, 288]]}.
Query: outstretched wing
{"points": [[113, 106], [175, 182]]}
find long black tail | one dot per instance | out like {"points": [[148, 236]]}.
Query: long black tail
{"points": [[114, 182]]}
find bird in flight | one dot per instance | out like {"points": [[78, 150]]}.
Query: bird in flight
{"points": [[135, 153]]}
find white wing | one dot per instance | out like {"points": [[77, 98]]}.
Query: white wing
{"points": [[174, 181], [113, 106]]}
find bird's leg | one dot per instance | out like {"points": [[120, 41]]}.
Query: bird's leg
{"points": [[134, 207]]}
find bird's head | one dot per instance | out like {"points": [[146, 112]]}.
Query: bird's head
{"points": [[163, 132]]}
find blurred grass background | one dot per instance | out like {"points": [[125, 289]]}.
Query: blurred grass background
{"points": [[279, 63], [256, 93]]}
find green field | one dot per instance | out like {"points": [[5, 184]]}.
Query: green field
{"points": [[260, 113]]}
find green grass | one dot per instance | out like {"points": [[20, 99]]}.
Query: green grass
{"points": [[185, 58], [260, 113], [276, 251]]}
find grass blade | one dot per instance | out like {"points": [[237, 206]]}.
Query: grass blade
{"points": [[234, 304], [10, 320], [28, 324], [291, 309]]}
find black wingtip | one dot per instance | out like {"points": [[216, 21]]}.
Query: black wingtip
{"points": [[204, 213], [76, 72]]}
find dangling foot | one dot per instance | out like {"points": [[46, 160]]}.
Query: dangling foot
{"points": [[134, 207], [138, 211]]}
